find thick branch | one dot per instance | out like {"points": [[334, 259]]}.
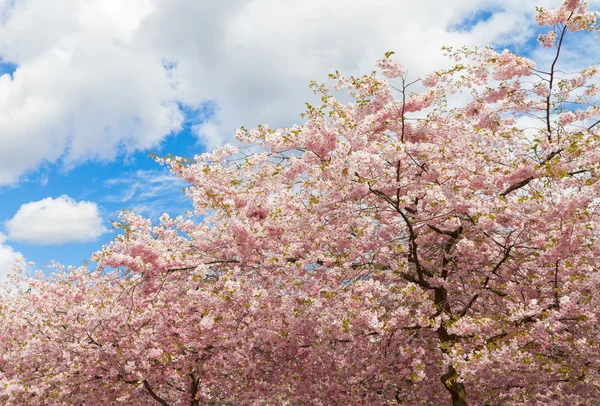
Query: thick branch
{"points": [[413, 245], [454, 234], [194, 385], [449, 379], [153, 394], [456, 389], [517, 185], [556, 300], [410, 278]]}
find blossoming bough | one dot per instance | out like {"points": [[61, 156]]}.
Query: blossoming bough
{"points": [[385, 252]]}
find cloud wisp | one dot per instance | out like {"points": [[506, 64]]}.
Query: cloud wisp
{"points": [[148, 192]]}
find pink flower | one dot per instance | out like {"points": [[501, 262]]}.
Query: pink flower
{"points": [[390, 68], [547, 40]]}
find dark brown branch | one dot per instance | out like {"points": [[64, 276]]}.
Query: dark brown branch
{"points": [[223, 261], [384, 196], [194, 386], [517, 185], [593, 125], [410, 278], [218, 261], [551, 80], [456, 389], [412, 236], [403, 109], [556, 301], [578, 172], [496, 337], [454, 234], [551, 155], [487, 280], [153, 394], [413, 244], [526, 181], [410, 210], [533, 318]]}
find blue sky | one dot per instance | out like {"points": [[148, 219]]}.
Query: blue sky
{"points": [[88, 89], [135, 182]]}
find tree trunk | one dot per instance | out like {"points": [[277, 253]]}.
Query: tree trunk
{"points": [[456, 389]]}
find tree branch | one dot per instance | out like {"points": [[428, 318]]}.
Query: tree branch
{"points": [[487, 280], [517, 185], [526, 181], [551, 80], [218, 261], [153, 394]]}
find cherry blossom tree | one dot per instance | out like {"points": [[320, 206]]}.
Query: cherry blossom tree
{"points": [[401, 249]]}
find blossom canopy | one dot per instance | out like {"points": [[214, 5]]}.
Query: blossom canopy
{"points": [[405, 248]]}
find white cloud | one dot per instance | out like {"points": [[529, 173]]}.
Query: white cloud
{"points": [[83, 90], [56, 221], [100, 77], [8, 257]]}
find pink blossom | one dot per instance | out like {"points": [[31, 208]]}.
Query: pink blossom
{"points": [[547, 40], [400, 248], [390, 68]]}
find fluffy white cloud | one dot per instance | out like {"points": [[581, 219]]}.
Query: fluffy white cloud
{"points": [[100, 77], [83, 88], [8, 257], [56, 221]]}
